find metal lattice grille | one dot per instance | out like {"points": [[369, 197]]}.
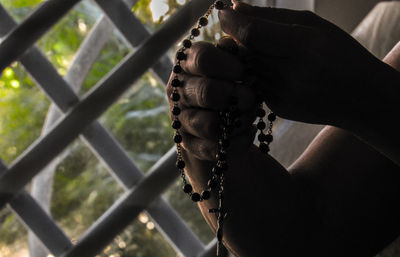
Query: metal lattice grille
{"points": [[79, 119]]}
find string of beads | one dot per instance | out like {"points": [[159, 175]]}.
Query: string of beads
{"points": [[229, 121]]}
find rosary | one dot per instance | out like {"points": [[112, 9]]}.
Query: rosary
{"points": [[229, 121]]}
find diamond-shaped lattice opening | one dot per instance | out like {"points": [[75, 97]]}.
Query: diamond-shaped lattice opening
{"points": [[140, 121], [23, 110], [141, 238], [113, 51], [13, 235], [189, 212], [20, 9], [62, 41], [83, 190]]}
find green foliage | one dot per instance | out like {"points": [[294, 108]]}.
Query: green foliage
{"points": [[145, 129], [23, 3], [64, 39], [19, 9], [110, 56], [22, 112], [142, 11], [83, 188], [11, 228]]}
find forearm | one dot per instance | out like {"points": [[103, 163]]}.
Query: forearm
{"points": [[355, 190], [375, 123], [339, 199]]}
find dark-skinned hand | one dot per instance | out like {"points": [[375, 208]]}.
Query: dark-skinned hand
{"points": [[210, 79], [308, 69]]}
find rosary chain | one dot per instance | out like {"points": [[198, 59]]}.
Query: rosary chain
{"points": [[229, 120]]}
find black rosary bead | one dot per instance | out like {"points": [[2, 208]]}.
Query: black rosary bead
{"points": [[177, 138], [217, 170], [223, 166], [180, 56], [187, 43], [269, 138], [224, 142], [175, 97], [212, 183], [196, 197], [187, 188], [262, 137], [195, 32], [180, 164], [203, 21], [264, 147], [272, 116], [176, 124], [205, 195], [176, 110], [260, 112], [221, 156], [177, 69], [219, 5], [176, 83], [261, 125], [227, 130]]}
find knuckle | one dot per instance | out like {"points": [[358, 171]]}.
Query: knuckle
{"points": [[191, 119], [203, 92], [206, 150], [202, 57]]}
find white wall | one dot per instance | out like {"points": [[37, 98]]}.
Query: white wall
{"points": [[296, 4]]}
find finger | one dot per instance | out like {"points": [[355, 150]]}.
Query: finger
{"points": [[204, 59], [280, 15], [260, 35], [202, 92], [207, 124], [205, 149], [228, 44]]}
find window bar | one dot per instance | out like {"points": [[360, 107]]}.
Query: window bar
{"points": [[37, 220], [98, 100], [104, 144], [211, 249], [121, 16], [31, 29], [126, 208]]}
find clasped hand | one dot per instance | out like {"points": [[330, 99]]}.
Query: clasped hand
{"points": [[304, 67]]}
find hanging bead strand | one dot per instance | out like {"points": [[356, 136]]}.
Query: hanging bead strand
{"points": [[175, 97], [229, 121]]}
